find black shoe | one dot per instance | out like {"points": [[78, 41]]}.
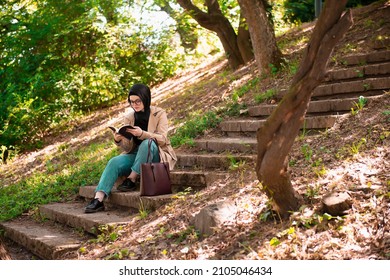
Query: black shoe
{"points": [[94, 206], [127, 186]]}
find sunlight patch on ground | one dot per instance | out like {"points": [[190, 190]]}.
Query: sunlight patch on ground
{"points": [[364, 171], [189, 77]]}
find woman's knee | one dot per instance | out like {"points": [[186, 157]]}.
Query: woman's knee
{"points": [[117, 161], [113, 161]]}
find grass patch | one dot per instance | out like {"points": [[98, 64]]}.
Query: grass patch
{"points": [[250, 85], [60, 181], [194, 126], [264, 96]]}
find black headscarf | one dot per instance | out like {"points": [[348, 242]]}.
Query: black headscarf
{"points": [[143, 92]]}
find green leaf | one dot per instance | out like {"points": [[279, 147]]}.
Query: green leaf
{"points": [[274, 241], [327, 216]]}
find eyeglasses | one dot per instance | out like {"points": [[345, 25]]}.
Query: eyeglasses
{"points": [[135, 102]]}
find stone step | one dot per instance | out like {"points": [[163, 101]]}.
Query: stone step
{"points": [[72, 214], [348, 89], [358, 72], [46, 240], [368, 58], [196, 180], [235, 128], [318, 106], [360, 87], [358, 67], [181, 180], [129, 200], [211, 161], [241, 145]]}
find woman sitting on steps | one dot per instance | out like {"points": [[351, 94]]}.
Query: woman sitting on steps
{"points": [[148, 122]]}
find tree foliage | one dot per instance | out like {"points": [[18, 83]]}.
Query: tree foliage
{"points": [[298, 11], [62, 58]]}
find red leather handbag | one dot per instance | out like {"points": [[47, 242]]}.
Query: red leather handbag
{"points": [[155, 176]]}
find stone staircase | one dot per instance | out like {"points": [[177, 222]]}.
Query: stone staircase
{"points": [[63, 227]]}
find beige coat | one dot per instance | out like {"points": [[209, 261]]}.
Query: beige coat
{"points": [[158, 129]]}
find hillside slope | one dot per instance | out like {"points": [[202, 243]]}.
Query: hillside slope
{"points": [[354, 157]]}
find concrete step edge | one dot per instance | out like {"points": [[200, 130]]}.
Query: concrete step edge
{"points": [[210, 161], [46, 242], [359, 86], [339, 87], [130, 200], [315, 106], [314, 122], [361, 59], [235, 145], [73, 215], [358, 72]]}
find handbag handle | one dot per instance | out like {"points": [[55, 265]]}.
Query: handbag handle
{"points": [[149, 158]]}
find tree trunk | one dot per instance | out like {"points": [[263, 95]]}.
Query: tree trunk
{"points": [[244, 40], [262, 35], [215, 21], [277, 136]]}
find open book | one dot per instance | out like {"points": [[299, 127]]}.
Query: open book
{"points": [[122, 131]]}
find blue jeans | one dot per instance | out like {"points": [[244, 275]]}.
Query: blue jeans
{"points": [[123, 164]]}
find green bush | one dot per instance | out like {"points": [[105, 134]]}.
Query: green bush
{"points": [[298, 11], [60, 60]]}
